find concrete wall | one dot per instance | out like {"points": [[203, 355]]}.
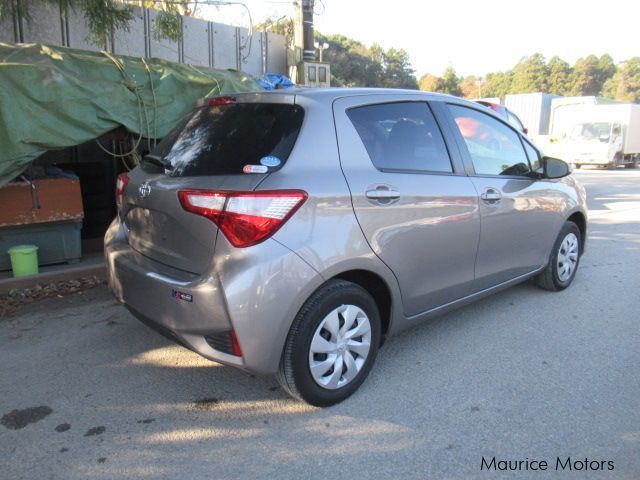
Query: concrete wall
{"points": [[203, 43]]}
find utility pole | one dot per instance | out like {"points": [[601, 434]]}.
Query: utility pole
{"points": [[479, 83], [308, 71], [303, 29], [321, 48]]}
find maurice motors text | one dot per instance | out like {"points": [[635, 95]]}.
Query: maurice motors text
{"points": [[560, 463]]}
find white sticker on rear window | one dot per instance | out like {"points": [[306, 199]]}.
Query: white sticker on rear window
{"points": [[255, 169]]}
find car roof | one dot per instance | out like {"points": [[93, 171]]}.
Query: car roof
{"points": [[328, 95]]}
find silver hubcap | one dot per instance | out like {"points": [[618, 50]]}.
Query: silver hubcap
{"points": [[568, 257], [340, 347]]}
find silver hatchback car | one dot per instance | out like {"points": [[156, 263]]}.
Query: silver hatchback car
{"points": [[290, 233]]}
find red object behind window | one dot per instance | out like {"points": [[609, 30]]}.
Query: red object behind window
{"points": [[214, 102]]}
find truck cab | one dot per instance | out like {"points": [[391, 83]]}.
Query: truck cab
{"points": [[606, 135], [595, 143]]}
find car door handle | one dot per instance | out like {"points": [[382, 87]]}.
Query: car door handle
{"points": [[382, 194], [491, 195]]}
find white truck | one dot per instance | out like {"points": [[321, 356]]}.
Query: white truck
{"points": [[602, 135]]}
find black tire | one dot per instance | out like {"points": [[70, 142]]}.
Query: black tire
{"points": [[549, 278], [294, 373]]}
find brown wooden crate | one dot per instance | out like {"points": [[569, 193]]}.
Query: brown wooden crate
{"points": [[60, 200]]}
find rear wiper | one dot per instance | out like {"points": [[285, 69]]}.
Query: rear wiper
{"points": [[156, 160]]}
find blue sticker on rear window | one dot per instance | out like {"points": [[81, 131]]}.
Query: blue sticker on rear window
{"points": [[270, 161]]}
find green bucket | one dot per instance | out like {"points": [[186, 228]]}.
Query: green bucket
{"points": [[24, 260]]}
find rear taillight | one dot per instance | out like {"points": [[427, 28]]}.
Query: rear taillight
{"points": [[245, 218], [121, 186]]}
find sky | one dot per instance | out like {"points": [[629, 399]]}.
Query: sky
{"points": [[474, 37]]}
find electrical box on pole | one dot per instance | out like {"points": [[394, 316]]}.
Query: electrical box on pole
{"points": [[307, 70]]}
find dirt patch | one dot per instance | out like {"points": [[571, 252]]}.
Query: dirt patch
{"points": [[63, 427], [13, 302], [95, 431], [18, 419]]}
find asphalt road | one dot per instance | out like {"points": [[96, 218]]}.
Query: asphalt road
{"points": [[524, 374]]}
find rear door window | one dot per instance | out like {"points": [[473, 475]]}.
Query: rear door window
{"points": [[401, 136], [222, 139]]}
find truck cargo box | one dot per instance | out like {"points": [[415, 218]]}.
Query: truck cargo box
{"points": [[533, 109]]}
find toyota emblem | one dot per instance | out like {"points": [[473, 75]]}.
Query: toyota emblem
{"points": [[144, 190]]}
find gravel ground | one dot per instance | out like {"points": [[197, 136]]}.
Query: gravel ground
{"points": [[88, 391], [12, 302]]}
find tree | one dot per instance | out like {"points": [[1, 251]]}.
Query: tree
{"points": [[606, 67], [471, 87], [450, 82], [355, 64], [559, 79], [590, 74], [625, 83], [428, 82], [498, 84], [530, 75], [397, 70], [350, 65], [168, 23], [281, 26]]}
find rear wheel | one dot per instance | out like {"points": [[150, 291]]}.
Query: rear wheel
{"points": [[618, 160], [564, 260], [332, 344]]}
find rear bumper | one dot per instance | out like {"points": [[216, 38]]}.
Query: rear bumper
{"points": [[247, 292], [148, 289]]}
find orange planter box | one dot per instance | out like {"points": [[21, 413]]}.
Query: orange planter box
{"points": [[60, 200]]}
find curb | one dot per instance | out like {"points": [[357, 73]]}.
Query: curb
{"points": [[64, 274]]}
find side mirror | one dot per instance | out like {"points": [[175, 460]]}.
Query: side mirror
{"points": [[604, 138], [555, 168]]}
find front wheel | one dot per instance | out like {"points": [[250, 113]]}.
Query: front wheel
{"points": [[332, 344], [564, 259]]}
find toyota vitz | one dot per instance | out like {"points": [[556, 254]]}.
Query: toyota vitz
{"points": [[290, 233]]}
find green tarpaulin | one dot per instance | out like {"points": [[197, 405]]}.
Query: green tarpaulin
{"points": [[56, 97]]}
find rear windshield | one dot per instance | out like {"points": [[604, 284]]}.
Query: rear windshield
{"points": [[221, 140]]}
